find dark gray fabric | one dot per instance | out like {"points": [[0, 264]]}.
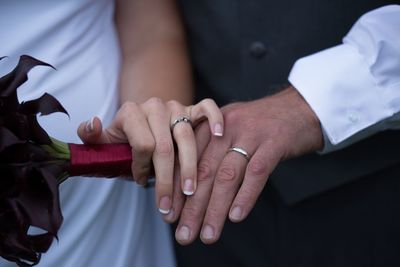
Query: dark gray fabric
{"points": [[351, 226], [336, 210]]}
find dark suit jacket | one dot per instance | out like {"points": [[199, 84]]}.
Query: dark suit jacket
{"points": [[243, 50]]}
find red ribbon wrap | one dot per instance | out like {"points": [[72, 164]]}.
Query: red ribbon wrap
{"points": [[103, 160]]}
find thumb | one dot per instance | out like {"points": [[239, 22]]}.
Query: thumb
{"points": [[90, 132]]}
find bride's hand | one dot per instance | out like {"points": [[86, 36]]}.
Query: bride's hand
{"points": [[151, 129]]}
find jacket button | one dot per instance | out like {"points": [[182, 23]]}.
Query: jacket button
{"points": [[258, 49]]}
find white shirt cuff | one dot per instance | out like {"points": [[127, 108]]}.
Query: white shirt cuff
{"points": [[338, 86]]}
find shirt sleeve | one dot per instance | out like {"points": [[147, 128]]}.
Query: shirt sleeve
{"points": [[354, 88]]}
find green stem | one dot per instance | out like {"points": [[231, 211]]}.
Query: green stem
{"points": [[58, 150]]}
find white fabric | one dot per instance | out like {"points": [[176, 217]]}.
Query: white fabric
{"points": [[354, 88], [108, 223]]}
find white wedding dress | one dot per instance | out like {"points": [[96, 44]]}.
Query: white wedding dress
{"points": [[107, 222]]}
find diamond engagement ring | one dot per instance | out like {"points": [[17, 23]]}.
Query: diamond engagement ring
{"points": [[180, 119]]}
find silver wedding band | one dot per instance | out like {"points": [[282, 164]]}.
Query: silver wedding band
{"points": [[180, 119], [239, 150]]}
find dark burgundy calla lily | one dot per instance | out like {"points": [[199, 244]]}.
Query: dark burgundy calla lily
{"points": [[29, 186], [32, 165]]}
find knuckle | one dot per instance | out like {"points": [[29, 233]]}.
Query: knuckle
{"points": [[232, 117], [252, 126], [213, 213], [164, 147], [250, 191], [208, 102], [154, 102], [190, 212], [204, 171], [173, 104], [145, 147], [128, 108], [248, 196], [257, 167], [226, 173]]}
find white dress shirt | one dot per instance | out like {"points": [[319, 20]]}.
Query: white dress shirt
{"points": [[354, 88]]}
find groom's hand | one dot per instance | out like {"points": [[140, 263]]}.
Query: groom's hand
{"points": [[234, 169]]}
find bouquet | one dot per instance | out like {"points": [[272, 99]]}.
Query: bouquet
{"points": [[33, 165]]}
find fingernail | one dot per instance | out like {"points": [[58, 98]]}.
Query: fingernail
{"points": [[165, 205], [170, 216], [218, 129], [89, 126], [188, 188], [137, 180], [207, 232], [236, 213], [141, 183], [183, 233]]}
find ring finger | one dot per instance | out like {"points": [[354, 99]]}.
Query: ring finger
{"points": [[227, 181], [184, 137]]}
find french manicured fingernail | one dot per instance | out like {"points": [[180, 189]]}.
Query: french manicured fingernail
{"points": [[89, 126], [165, 205], [141, 182], [183, 233], [236, 213], [207, 232], [218, 129], [188, 187]]}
